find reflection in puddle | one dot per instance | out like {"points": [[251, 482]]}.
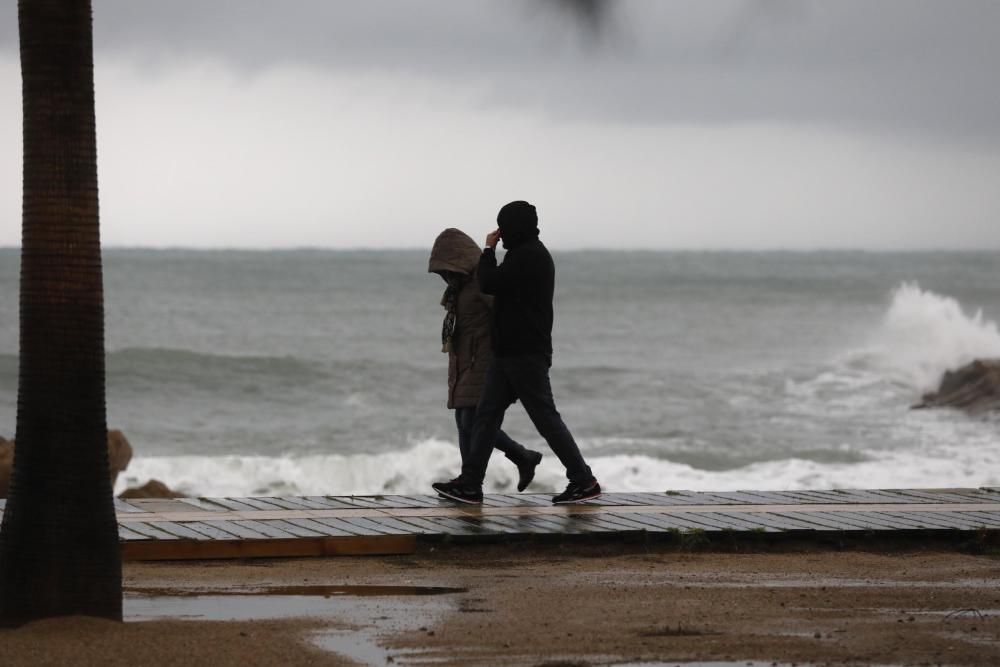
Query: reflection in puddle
{"points": [[370, 611], [322, 591]]}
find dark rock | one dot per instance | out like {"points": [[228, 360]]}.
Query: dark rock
{"points": [[151, 489], [974, 388]]}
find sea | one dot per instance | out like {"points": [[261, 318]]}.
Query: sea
{"points": [[320, 372]]}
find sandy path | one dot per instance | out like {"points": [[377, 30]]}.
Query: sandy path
{"points": [[593, 605]]}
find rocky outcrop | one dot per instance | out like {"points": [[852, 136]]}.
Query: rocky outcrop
{"points": [[151, 489], [974, 388], [119, 456]]}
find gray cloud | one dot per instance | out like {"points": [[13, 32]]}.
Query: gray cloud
{"points": [[912, 66]]}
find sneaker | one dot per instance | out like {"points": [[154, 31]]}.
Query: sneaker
{"points": [[526, 470], [457, 490], [578, 493]]}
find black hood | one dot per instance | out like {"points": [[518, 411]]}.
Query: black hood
{"points": [[518, 222]]}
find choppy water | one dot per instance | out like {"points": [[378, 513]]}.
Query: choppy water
{"points": [[321, 371]]}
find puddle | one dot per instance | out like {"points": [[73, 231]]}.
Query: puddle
{"points": [[363, 647], [815, 583], [730, 663], [372, 611], [297, 591], [737, 663]]}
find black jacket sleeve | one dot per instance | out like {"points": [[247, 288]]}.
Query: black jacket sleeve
{"points": [[489, 273]]}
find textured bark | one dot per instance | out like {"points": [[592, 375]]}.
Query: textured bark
{"points": [[59, 552]]}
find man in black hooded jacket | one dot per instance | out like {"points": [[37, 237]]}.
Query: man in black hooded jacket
{"points": [[522, 340]]}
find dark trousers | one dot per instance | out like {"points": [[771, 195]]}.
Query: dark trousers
{"points": [[465, 419], [524, 378]]}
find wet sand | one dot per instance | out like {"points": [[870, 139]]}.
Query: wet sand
{"points": [[544, 605]]}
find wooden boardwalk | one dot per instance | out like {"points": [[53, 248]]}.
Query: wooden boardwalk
{"points": [[193, 528]]}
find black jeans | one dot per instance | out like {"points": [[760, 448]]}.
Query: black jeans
{"points": [[465, 419], [524, 377]]}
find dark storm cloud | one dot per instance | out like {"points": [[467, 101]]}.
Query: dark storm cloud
{"points": [[914, 66]]}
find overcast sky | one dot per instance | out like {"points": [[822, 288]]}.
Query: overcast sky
{"points": [[376, 123]]}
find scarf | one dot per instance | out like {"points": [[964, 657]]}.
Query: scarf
{"points": [[450, 303]]}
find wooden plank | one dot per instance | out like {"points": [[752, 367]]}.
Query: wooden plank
{"points": [[288, 527], [965, 520], [265, 528], [489, 525], [553, 524], [422, 526], [953, 520], [269, 548], [129, 535], [338, 523], [861, 496], [709, 521], [823, 497], [654, 524], [494, 500], [203, 504], [532, 499], [631, 499], [782, 521], [212, 532], [234, 527], [992, 519], [331, 502], [612, 500], [177, 529], [900, 497], [149, 531], [572, 524], [360, 501], [258, 503], [320, 527], [824, 521], [515, 526], [295, 503], [521, 500], [124, 507], [413, 501], [912, 522], [454, 526], [884, 519], [736, 497], [769, 498], [378, 525], [739, 520], [157, 505], [231, 504], [936, 497], [475, 525], [663, 522]]}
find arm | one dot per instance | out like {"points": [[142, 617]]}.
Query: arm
{"points": [[489, 272]]}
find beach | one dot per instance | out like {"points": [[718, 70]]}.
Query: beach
{"points": [[530, 604]]}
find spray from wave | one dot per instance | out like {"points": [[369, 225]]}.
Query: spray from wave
{"points": [[411, 472], [922, 335]]}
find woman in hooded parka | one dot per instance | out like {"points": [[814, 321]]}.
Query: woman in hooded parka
{"points": [[465, 337]]}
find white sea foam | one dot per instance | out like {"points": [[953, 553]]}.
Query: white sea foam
{"points": [[924, 334], [410, 471]]}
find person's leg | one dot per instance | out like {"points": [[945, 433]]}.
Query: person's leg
{"points": [[496, 397], [464, 419], [529, 375], [511, 448], [525, 459]]}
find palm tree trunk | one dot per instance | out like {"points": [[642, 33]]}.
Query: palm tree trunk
{"points": [[59, 551]]}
